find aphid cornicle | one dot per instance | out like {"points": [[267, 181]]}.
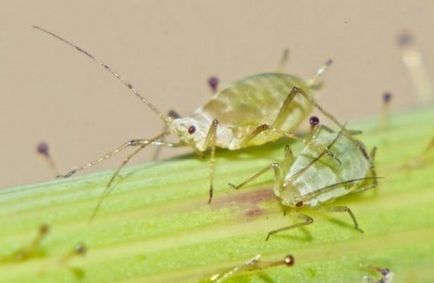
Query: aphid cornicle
{"points": [[252, 111], [314, 178]]}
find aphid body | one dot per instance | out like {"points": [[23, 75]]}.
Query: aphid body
{"points": [[244, 106], [305, 181], [315, 178]]}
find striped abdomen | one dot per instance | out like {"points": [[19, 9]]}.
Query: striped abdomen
{"points": [[308, 181], [257, 100]]}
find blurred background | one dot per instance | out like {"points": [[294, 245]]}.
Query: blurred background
{"points": [[167, 50]]}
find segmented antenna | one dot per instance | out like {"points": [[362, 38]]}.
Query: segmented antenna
{"points": [[164, 117]]}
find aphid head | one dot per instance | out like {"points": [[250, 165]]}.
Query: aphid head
{"points": [[290, 197], [191, 130]]}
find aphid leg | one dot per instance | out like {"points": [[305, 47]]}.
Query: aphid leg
{"points": [[288, 159], [373, 172], [174, 115], [253, 177], [350, 213], [285, 109], [327, 114], [210, 142], [130, 143], [142, 144], [252, 265], [306, 220], [283, 60]]}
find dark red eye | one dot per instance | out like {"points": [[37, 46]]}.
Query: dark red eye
{"points": [[299, 204], [191, 130]]}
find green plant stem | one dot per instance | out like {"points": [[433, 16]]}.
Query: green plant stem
{"points": [[157, 226]]}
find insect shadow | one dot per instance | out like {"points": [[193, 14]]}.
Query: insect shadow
{"points": [[252, 111]]}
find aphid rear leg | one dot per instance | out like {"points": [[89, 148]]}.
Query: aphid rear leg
{"points": [[326, 113], [138, 142], [210, 142], [306, 220], [284, 109], [350, 213]]}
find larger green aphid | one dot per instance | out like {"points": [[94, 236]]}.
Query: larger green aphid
{"points": [[252, 111], [315, 178]]}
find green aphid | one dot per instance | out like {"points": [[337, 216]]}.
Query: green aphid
{"points": [[251, 111], [315, 178]]}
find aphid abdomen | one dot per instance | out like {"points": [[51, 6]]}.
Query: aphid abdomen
{"points": [[327, 171], [257, 100]]}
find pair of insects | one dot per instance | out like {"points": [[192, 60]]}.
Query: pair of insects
{"points": [[254, 111]]}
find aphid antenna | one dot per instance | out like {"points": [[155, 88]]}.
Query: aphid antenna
{"points": [[166, 119]]}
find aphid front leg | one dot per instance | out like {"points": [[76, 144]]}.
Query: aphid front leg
{"points": [[210, 142], [138, 142], [350, 213], [128, 144], [288, 159], [306, 220]]}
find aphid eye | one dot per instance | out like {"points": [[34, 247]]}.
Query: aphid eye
{"points": [[191, 130], [299, 204]]}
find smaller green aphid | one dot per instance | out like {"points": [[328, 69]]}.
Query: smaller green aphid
{"points": [[31, 250], [314, 178], [252, 111], [252, 264]]}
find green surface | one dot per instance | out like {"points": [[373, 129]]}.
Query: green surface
{"points": [[157, 226]]}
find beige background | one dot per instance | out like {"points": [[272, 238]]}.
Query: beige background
{"points": [[167, 49]]}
